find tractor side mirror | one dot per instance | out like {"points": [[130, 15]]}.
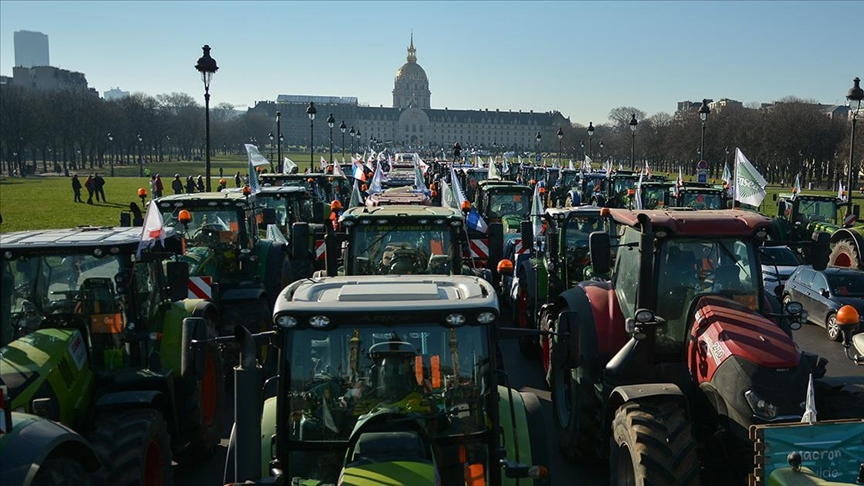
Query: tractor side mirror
{"points": [[774, 196], [527, 230], [299, 241], [600, 245], [193, 354], [821, 251], [178, 280], [269, 216], [781, 207]]}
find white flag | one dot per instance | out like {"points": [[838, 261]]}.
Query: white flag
{"points": [[749, 184], [288, 166], [570, 166], [493, 170], [638, 191], [153, 228], [323, 164], [337, 170], [448, 197], [505, 168], [809, 416], [841, 191], [255, 157], [537, 212]]}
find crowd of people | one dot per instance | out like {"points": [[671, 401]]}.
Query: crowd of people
{"points": [[95, 185]]}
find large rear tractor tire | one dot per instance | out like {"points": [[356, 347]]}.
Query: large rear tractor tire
{"points": [[134, 447], [61, 471], [653, 443], [536, 432], [845, 254], [201, 405]]}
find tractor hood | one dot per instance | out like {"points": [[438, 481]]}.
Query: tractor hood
{"points": [[724, 328], [395, 472]]}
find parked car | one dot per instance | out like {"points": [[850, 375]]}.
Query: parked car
{"points": [[822, 293], [778, 263]]}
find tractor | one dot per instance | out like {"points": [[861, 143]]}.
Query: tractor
{"points": [[299, 217], [504, 202], [568, 180], [664, 368], [388, 377], [801, 215], [591, 189], [91, 327]]}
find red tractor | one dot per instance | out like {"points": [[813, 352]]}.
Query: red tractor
{"points": [[664, 368]]}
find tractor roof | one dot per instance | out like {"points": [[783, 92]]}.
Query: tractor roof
{"points": [[401, 212], [495, 182], [372, 297], [82, 238], [578, 211], [283, 191], [199, 198], [685, 222]]}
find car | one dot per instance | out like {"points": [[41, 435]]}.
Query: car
{"points": [[778, 263], [823, 293]]}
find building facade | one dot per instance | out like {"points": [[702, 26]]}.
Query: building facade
{"points": [[411, 122], [31, 49], [49, 78], [115, 94]]}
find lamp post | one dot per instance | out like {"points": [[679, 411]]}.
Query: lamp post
{"points": [[270, 136], [560, 141], [855, 93], [140, 159], [538, 138], [110, 152], [311, 111], [601, 151], [330, 123], [280, 138], [633, 124], [590, 134], [351, 134], [342, 129], [703, 115], [357, 134], [207, 67]]}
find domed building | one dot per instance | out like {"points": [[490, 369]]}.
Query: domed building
{"points": [[411, 86], [411, 123]]}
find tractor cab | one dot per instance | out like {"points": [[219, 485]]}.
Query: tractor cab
{"points": [[622, 187]]}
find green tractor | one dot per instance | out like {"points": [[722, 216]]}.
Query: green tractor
{"points": [[386, 380], [229, 263], [91, 329], [504, 202], [802, 215]]}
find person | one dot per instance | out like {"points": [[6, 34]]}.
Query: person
{"points": [[76, 188], [200, 183], [222, 184], [220, 172], [89, 185], [190, 185], [177, 184], [99, 187], [153, 185], [237, 179], [158, 188]]}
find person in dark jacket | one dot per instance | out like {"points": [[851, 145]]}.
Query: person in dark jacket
{"points": [[237, 180], [190, 185], [157, 187], [201, 187], [76, 188], [99, 187], [177, 184], [88, 184]]}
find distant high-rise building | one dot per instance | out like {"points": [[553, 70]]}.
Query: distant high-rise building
{"points": [[115, 94], [31, 49]]}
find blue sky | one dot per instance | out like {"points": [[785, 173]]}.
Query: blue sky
{"points": [[581, 58]]}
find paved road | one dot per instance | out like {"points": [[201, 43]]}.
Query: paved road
{"points": [[526, 375]]}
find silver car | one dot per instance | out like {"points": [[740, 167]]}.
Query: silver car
{"points": [[823, 293], [778, 263]]}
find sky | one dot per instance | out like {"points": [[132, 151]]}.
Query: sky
{"points": [[580, 58]]}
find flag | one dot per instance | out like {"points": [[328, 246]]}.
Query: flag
{"points": [[419, 179], [254, 186], [537, 212], [154, 227], [255, 157], [638, 192], [749, 184], [377, 181], [356, 196], [647, 170], [571, 165], [337, 170], [288, 166], [323, 163], [505, 168], [448, 197], [493, 171], [678, 182], [727, 177], [359, 173], [473, 220], [841, 192], [809, 416], [478, 162], [796, 189]]}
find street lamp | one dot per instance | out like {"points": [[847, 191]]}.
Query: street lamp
{"points": [[270, 136], [342, 129], [601, 151], [538, 138], [311, 111], [207, 67], [140, 159], [351, 134], [703, 115], [280, 138], [855, 93], [633, 124], [590, 134], [330, 123], [582, 146], [110, 152], [560, 140], [358, 139]]}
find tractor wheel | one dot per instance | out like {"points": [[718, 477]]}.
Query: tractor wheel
{"points": [[653, 443], [537, 438], [134, 447], [201, 407], [568, 202], [61, 471], [527, 344], [574, 408], [844, 254], [832, 328]]}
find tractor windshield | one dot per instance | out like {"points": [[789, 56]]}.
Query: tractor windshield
{"points": [[401, 249], [653, 197], [569, 178], [504, 204], [439, 377], [685, 267], [817, 211], [207, 226], [701, 200], [289, 210]]}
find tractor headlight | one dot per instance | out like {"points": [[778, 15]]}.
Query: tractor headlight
{"points": [[286, 321], [455, 320], [486, 318], [794, 308], [644, 315], [761, 408], [319, 322]]}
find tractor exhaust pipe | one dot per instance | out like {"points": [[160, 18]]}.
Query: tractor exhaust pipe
{"points": [[247, 409]]}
